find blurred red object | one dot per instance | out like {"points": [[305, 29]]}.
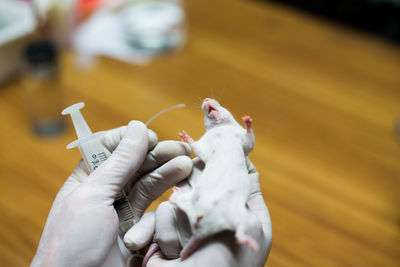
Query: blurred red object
{"points": [[86, 7]]}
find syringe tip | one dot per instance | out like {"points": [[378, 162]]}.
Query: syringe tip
{"points": [[72, 108]]}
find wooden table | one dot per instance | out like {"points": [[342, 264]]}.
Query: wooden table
{"points": [[323, 99]]}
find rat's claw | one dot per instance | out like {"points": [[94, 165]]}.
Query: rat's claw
{"points": [[247, 120], [182, 135], [250, 242], [176, 189]]}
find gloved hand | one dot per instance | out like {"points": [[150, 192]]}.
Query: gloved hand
{"points": [[173, 232], [82, 227]]}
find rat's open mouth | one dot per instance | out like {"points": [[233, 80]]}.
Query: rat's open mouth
{"points": [[211, 109]]}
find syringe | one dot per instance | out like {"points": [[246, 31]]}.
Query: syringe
{"points": [[93, 155]]}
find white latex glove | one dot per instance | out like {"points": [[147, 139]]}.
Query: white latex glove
{"points": [[82, 227], [173, 232]]}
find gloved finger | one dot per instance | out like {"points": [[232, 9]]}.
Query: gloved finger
{"points": [[183, 226], [152, 185], [253, 176], [256, 201], [215, 251], [115, 256], [166, 231], [161, 153], [126, 159], [111, 138], [141, 234], [257, 205]]}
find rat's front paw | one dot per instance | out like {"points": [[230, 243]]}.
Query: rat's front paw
{"points": [[185, 137], [247, 121]]}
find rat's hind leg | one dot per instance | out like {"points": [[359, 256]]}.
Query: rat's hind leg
{"points": [[243, 238], [248, 140], [241, 223]]}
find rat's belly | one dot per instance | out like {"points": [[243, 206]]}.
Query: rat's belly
{"points": [[222, 186]]}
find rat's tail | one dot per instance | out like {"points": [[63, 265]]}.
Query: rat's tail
{"points": [[190, 247], [163, 111]]}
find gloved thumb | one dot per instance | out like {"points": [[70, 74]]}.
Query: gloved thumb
{"points": [[125, 160]]}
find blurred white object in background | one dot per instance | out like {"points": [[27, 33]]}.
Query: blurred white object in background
{"points": [[102, 35], [43, 7], [134, 32], [154, 26], [16, 23]]}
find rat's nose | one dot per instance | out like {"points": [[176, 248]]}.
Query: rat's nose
{"points": [[206, 99]]}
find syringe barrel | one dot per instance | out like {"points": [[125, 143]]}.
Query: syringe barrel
{"points": [[93, 155]]}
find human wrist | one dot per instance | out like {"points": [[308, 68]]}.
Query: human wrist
{"points": [[46, 254], [43, 260]]}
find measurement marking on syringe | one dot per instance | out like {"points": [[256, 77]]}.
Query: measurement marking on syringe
{"points": [[102, 156], [122, 207]]}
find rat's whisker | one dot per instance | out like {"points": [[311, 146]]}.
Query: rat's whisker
{"points": [[221, 94]]}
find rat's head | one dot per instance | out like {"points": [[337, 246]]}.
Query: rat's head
{"points": [[215, 114]]}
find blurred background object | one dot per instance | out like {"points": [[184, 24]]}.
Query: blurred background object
{"points": [[16, 23], [44, 98], [381, 17], [324, 98], [396, 130], [154, 27], [129, 30], [136, 30]]}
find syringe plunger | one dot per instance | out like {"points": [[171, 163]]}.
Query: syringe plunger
{"points": [[81, 127]]}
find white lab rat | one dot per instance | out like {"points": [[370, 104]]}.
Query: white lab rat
{"points": [[217, 200]]}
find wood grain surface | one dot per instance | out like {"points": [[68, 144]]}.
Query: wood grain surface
{"points": [[323, 99]]}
